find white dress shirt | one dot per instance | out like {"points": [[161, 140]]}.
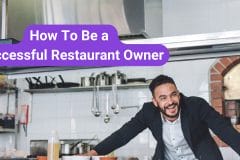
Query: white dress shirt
{"points": [[176, 147]]}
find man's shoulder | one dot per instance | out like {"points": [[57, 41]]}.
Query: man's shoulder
{"points": [[149, 107], [149, 111], [194, 103], [150, 103], [193, 99]]}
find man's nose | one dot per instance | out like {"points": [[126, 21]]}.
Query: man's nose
{"points": [[170, 100]]}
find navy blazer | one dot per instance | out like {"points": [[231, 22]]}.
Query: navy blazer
{"points": [[197, 116]]}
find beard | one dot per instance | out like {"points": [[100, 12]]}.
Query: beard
{"points": [[163, 111]]}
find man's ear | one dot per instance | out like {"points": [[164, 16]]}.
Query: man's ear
{"points": [[154, 102]]}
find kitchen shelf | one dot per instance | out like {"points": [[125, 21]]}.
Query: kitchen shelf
{"points": [[10, 90], [80, 89], [7, 130], [4, 90]]}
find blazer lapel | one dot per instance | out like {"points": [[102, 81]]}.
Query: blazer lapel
{"points": [[158, 126], [185, 123], [158, 132]]}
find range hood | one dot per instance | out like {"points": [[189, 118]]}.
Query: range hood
{"points": [[126, 15], [129, 17]]}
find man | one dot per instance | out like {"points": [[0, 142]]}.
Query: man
{"points": [[180, 125]]}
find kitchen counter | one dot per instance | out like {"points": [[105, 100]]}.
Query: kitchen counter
{"points": [[18, 158]]}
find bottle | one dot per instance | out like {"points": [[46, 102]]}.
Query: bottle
{"points": [[53, 146]]}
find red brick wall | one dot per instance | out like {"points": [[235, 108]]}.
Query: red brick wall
{"points": [[217, 72]]}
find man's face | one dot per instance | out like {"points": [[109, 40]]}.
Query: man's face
{"points": [[166, 97]]}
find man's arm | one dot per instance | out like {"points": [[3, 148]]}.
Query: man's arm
{"points": [[91, 153], [220, 126], [122, 136]]}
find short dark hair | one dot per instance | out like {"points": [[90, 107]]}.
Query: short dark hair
{"points": [[159, 80]]}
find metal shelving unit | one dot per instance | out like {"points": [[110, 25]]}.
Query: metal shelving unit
{"points": [[8, 90], [81, 89], [7, 130], [11, 90]]}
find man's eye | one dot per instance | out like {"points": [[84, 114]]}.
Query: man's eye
{"points": [[175, 94], [162, 98]]}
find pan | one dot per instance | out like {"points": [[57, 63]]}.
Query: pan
{"points": [[66, 84], [38, 83], [34, 85], [49, 84], [31, 85]]}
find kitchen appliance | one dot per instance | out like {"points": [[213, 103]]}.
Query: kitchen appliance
{"points": [[127, 16]]}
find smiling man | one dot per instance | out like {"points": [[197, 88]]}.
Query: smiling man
{"points": [[166, 97], [179, 124]]}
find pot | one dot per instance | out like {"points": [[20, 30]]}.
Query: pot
{"points": [[118, 78], [84, 148], [87, 81], [65, 148], [71, 148], [102, 79]]}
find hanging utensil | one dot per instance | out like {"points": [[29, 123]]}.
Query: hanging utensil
{"points": [[98, 113], [93, 108], [107, 117], [115, 105], [95, 102]]}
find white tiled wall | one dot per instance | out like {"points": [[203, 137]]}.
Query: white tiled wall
{"points": [[70, 114], [198, 17]]}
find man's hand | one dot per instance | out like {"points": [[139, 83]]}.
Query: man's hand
{"points": [[91, 153]]}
